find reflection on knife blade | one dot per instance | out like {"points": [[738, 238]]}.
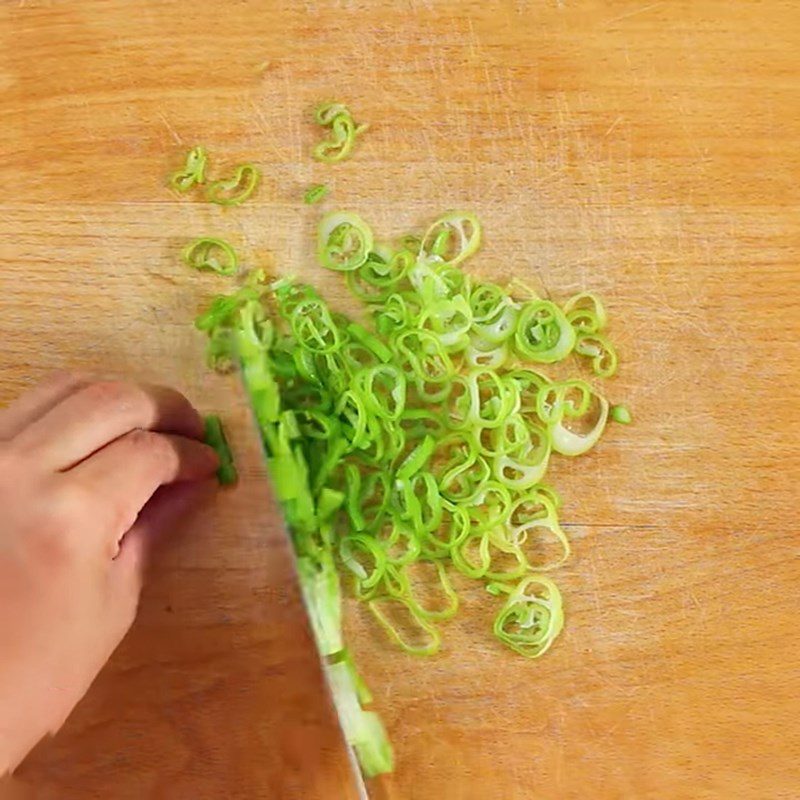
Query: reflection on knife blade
{"points": [[308, 517]]}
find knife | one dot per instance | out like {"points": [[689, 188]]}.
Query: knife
{"points": [[321, 640]]}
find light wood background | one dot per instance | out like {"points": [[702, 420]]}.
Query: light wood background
{"points": [[647, 150]]}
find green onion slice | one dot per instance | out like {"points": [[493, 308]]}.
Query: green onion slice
{"points": [[415, 442], [544, 333], [344, 241], [621, 414], [193, 172], [343, 131], [600, 350], [315, 194], [451, 239], [235, 190], [532, 616], [215, 437], [585, 313], [211, 254]]}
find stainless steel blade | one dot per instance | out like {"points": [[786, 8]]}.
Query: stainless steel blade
{"points": [[355, 770]]}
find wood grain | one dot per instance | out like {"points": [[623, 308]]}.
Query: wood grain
{"points": [[648, 151]]}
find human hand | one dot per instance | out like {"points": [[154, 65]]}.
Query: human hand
{"points": [[81, 466]]}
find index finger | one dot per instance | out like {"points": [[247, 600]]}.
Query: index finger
{"points": [[100, 413], [123, 476]]}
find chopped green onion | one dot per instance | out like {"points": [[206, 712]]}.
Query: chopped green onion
{"points": [[417, 442], [600, 350], [215, 438], [585, 313], [234, 191], [362, 729], [452, 238], [364, 337], [621, 414], [319, 583], [215, 255], [315, 194], [344, 241], [544, 333], [384, 608], [342, 130], [193, 172], [532, 616], [556, 405]]}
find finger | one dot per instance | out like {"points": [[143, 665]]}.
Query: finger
{"points": [[37, 401], [125, 474], [163, 513], [100, 413]]}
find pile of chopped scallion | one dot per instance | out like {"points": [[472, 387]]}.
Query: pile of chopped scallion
{"points": [[414, 447]]}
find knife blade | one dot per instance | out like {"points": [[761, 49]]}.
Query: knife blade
{"points": [[311, 616]]}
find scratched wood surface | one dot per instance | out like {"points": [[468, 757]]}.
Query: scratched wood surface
{"points": [[648, 151]]}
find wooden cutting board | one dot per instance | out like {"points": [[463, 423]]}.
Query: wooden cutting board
{"points": [[647, 151]]}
